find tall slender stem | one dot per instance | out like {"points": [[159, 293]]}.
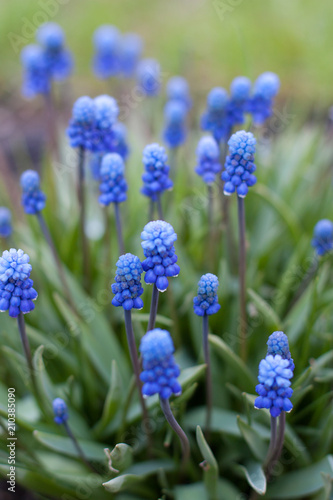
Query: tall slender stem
{"points": [[272, 443], [209, 394], [78, 447], [51, 125], [82, 207], [159, 208], [136, 368], [119, 230], [165, 405], [278, 447], [153, 308], [242, 275], [50, 242], [210, 209], [151, 210]]}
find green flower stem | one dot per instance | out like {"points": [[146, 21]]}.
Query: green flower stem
{"points": [[165, 405], [311, 273], [151, 210], [272, 444], [242, 275], [78, 448], [136, 368], [159, 208], [119, 230], [82, 208], [153, 308], [209, 402], [51, 124]]}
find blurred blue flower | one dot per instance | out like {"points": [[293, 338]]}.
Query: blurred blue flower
{"points": [[58, 59], [127, 287], [106, 41], [60, 411], [113, 185], [131, 47], [106, 113], [158, 239], [95, 161], [215, 118], [81, 126], [260, 104], [149, 77], [274, 388], [120, 145], [206, 300], [36, 79], [239, 94], [16, 292], [160, 371], [5, 222], [156, 176], [208, 159], [323, 237], [239, 166], [174, 133], [177, 89], [33, 198]]}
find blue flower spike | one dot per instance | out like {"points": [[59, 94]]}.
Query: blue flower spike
{"points": [[177, 89], [322, 240], [113, 185], [60, 411], [208, 159], [5, 222], [206, 302], [215, 118], [127, 287], [131, 47], [158, 239], [148, 76], [36, 78], [81, 126], [33, 199], [174, 133], [261, 102], [156, 176], [239, 97], [239, 167], [107, 42], [58, 58]]}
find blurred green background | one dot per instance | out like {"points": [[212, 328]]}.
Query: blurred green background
{"points": [[208, 41]]}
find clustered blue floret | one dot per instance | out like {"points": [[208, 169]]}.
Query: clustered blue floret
{"points": [[323, 237], [239, 166], [16, 292], [239, 95], [174, 133], [177, 89], [148, 76], [81, 126], [35, 75], [274, 388], [215, 118], [160, 371], [206, 302], [127, 287], [120, 145], [130, 52], [113, 185], [156, 176], [278, 344], [60, 411], [5, 222], [158, 239], [208, 159], [106, 58], [261, 101], [33, 198]]}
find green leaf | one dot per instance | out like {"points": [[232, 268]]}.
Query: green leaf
{"points": [[144, 318], [61, 444], [121, 456], [197, 491], [112, 400], [209, 466], [255, 476], [137, 474], [228, 356], [272, 319], [302, 483], [253, 439], [43, 382]]}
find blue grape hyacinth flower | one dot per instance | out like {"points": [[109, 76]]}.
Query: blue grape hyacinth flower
{"points": [[81, 126], [127, 287], [206, 302], [58, 58], [174, 133], [177, 89], [120, 145], [36, 79], [105, 117], [156, 176], [160, 371], [16, 292], [60, 411], [322, 240], [239, 95], [158, 239], [131, 47], [106, 41], [215, 118], [274, 385], [33, 198], [260, 104], [278, 344], [5, 222], [148, 76], [239, 166], [113, 185], [208, 159]]}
